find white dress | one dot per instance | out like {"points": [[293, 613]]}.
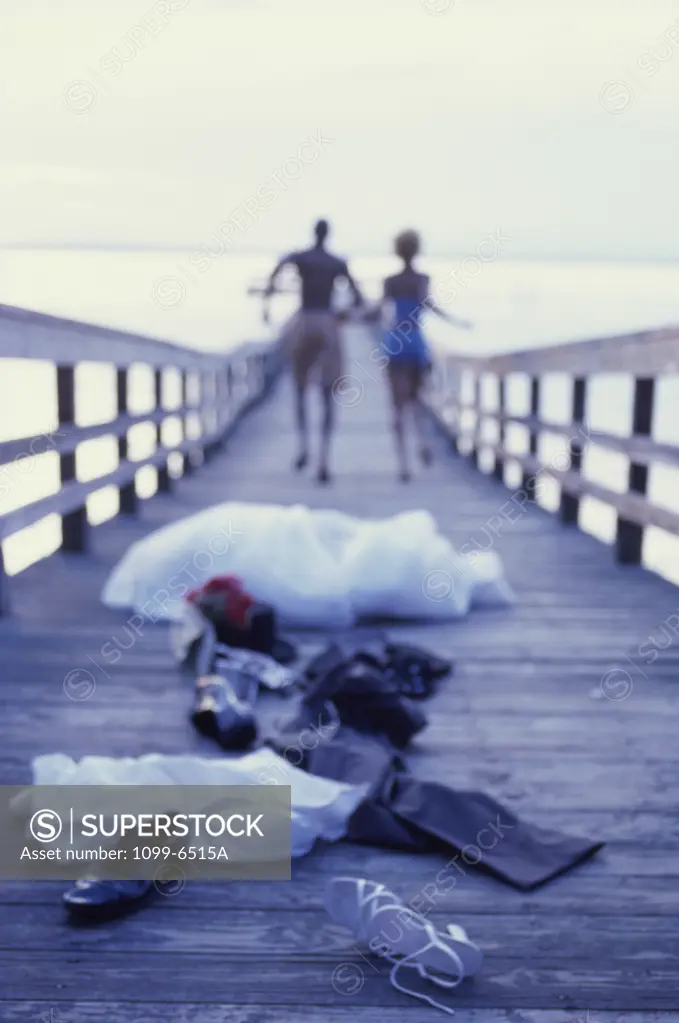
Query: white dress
{"points": [[321, 808], [318, 569]]}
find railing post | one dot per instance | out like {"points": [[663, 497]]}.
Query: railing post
{"points": [[74, 525], [630, 536], [222, 402], [4, 586], [127, 492], [207, 405], [499, 467], [528, 480], [569, 506], [454, 389], [250, 381], [267, 372], [164, 480], [188, 465], [445, 396], [476, 436], [230, 388]]}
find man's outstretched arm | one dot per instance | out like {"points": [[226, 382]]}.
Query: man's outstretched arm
{"points": [[271, 285], [270, 288]]}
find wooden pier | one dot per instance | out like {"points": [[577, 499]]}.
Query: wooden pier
{"points": [[554, 709]]}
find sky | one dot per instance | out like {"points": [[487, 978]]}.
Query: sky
{"points": [[154, 122]]}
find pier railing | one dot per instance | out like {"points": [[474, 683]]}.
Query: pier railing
{"points": [[469, 397], [224, 387]]}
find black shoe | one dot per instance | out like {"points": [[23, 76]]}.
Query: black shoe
{"points": [[368, 701], [405, 477], [301, 462], [224, 708], [413, 670], [92, 901], [363, 697], [323, 476]]}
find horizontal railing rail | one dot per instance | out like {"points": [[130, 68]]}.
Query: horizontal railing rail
{"points": [[644, 356], [228, 385], [653, 352], [25, 334]]}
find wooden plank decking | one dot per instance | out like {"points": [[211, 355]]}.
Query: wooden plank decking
{"points": [[518, 719]]}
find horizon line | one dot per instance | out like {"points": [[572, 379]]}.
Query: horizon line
{"points": [[183, 247]]}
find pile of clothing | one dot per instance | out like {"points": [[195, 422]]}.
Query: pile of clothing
{"points": [[357, 710], [364, 706]]}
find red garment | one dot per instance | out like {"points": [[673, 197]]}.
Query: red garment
{"points": [[237, 602]]}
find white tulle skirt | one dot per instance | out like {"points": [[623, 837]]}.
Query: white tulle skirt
{"points": [[320, 807], [319, 569]]}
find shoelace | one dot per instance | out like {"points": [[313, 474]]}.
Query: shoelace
{"points": [[371, 904]]}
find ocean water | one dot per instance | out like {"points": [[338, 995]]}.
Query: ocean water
{"points": [[512, 304]]}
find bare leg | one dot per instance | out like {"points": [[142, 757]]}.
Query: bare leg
{"points": [[398, 383], [304, 354], [326, 433], [302, 427], [420, 417], [399, 434]]}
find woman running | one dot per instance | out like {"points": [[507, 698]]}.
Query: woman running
{"points": [[408, 360]]}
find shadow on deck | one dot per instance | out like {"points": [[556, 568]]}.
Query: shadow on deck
{"points": [[526, 718]]}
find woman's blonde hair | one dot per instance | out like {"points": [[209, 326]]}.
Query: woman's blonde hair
{"points": [[407, 244]]}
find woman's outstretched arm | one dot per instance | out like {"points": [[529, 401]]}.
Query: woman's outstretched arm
{"points": [[428, 302], [438, 311]]}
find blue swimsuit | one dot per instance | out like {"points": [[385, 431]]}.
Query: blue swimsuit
{"points": [[404, 343]]}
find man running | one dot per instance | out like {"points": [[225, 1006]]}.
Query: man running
{"points": [[315, 342]]}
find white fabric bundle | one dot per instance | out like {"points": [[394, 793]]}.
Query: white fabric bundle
{"points": [[321, 808], [319, 569]]}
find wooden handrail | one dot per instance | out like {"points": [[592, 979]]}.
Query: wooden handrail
{"points": [[641, 449], [25, 334], [645, 356], [649, 352], [67, 439], [229, 385]]}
